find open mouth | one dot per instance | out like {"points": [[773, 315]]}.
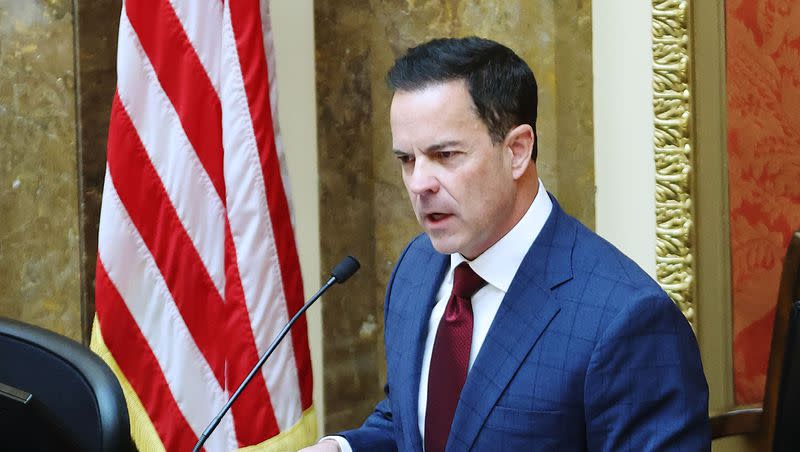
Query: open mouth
{"points": [[437, 217]]}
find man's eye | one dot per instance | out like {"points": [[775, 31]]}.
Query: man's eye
{"points": [[446, 154], [404, 158]]}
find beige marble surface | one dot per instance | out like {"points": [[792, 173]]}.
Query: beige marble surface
{"points": [[574, 126], [39, 234], [363, 206]]}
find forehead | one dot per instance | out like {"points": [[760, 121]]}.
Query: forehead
{"points": [[436, 109]]}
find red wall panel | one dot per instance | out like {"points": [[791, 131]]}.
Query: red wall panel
{"points": [[763, 110]]}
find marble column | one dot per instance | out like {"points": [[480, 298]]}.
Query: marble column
{"points": [[39, 230], [363, 208], [57, 78]]}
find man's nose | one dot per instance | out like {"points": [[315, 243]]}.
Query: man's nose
{"points": [[422, 178]]}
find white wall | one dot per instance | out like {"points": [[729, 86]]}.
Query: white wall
{"points": [[623, 122], [293, 27]]}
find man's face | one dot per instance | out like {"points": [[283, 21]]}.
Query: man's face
{"points": [[460, 184]]}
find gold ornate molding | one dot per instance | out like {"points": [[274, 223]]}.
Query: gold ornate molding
{"points": [[673, 146]]}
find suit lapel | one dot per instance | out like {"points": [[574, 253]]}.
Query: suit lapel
{"points": [[524, 313], [419, 300]]}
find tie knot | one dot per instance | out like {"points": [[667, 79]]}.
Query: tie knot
{"points": [[466, 282]]}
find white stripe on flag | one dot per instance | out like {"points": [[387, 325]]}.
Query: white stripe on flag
{"points": [[269, 50]]}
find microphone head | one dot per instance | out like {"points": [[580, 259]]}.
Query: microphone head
{"points": [[345, 269]]}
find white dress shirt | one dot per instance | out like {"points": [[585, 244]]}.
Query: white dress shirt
{"points": [[497, 266]]}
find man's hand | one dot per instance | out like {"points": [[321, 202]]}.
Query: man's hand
{"points": [[327, 445]]}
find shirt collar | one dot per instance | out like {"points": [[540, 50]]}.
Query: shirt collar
{"points": [[498, 264]]}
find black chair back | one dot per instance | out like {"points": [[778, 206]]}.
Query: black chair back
{"points": [[77, 401], [781, 401], [787, 433]]}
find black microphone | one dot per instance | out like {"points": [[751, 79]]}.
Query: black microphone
{"points": [[340, 274], [345, 269]]}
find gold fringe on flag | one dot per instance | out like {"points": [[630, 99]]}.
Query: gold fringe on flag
{"points": [[143, 432]]}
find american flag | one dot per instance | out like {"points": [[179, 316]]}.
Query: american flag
{"points": [[197, 268]]}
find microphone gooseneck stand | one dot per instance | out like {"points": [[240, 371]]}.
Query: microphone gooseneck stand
{"points": [[340, 274]]}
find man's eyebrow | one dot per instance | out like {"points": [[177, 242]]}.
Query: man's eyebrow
{"points": [[443, 145], [432, 148]]}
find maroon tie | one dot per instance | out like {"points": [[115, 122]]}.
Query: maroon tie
{"points": [[450, 358]]}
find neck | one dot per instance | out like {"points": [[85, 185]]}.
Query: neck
{"points": [[527, 189]]}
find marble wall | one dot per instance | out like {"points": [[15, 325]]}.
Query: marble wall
{"points": [[39, 230], [95, 52], [363, 207], [55, 96]]}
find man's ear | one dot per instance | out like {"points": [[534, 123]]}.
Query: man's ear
{"points": [[519, 141]]}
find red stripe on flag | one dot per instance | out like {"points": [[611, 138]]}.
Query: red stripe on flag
{"points": [[142, 193], [247, 28], [253, 415], [126, 343], [184, 80]]}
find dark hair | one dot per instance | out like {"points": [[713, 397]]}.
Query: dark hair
{"points": [[502, 86]]}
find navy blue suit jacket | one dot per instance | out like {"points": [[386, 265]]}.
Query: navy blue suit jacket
{"points": [[585, 353]]}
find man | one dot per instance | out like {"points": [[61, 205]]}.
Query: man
{"points": [[508, 324]]}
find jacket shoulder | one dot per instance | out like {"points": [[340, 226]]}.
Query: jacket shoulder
{"points": [[418, 252], [595, 258]]}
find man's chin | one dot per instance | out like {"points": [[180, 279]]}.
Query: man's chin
{"points": [[444, 245]]}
